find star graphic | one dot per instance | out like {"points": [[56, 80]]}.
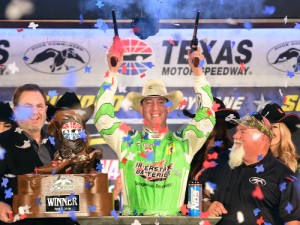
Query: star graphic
{"points": [[18, 130], [4, 182], [260, 169], [33, 25], [261, 103], [282, 186], [289, 208], [8, 193], [13, 67]]}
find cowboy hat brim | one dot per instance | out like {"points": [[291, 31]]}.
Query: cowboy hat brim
{"points": [[227, 115], [51, 110], [290, 120], [175, 97]]}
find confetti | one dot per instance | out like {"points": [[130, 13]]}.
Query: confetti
{"points": [[61, 210], [131, 156], [99, 4], [218, 143], [269, 10], [213, 155], [87, 69], [260, 169], [4, 182], [257, 193], [240, 217], [81, 19], [150, 156], [157, 143], [184, 210], [171, 42], [142, 75], [87, 185], [33, 25], [13, 68], [256, 211], [2, 153], [38, 201], [8, 193], [124, 160], [25, 58], [285, 19], [82, 135], [99, 167], [124, 127], [52, 140], [168, 104], [260, 221], [247, 25], [289, 208], [242, 66], [232, 44], [290, 74], [72, 215], [106, 86], [71, 196], [114, 214], [136, 222], [209, 164], [297, 26], [211, 187], [54, 171], [215, 106], [149, 64], [92, 208], [20, 30], [101, 25], [143, 154], [52, 93], [208, 48], [182, 103], [260, 157], [282, 186]]}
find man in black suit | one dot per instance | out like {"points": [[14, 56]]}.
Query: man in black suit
{"points": [[26, 147]]}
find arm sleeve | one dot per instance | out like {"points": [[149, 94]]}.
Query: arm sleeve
{"points": [[105, 120], [198, 130]]}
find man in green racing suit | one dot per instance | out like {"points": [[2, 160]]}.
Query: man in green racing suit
{"points": [[154, 162]]}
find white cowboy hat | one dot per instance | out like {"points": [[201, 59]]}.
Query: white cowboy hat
{"points": [[154, 88]]}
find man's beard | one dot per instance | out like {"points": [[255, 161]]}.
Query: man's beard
{"points": [[236, 155]]}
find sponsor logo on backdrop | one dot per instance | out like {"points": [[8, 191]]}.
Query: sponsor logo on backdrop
{"points": [[56, 57], [285, 56], [138, 57], [221, 58]]}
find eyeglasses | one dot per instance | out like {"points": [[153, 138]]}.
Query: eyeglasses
{"points": [[258, 116]]}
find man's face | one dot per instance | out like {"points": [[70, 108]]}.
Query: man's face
{"points": [[33, 102], [155, 112], [250, 139], [4, 126]]}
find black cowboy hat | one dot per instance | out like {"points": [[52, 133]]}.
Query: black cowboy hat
{"points": [[222, 112], [69, 101], [6, 113], [274, 113]]}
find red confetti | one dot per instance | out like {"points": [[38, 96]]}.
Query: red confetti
{"points": [[171, 42], [124, 160], [212, 156], [136, 29], [284, 99], [242, 66], [124, 69], [208, 111], [124, 127], [209, 164], [142, 75], [143, 154], [204, 214], [20, 29], [182, 103], [23, 216], [215, 106], [106, 74], [260, 221], [184, 210], [257, 193]]}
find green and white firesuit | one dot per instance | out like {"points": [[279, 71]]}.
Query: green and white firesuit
{"points": [[154, 166]]}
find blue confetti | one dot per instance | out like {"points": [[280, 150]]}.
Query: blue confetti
{"points": [[38, 201], [256, 211], [54, 171], [260, 157], [149, 64], [289, 208], [266, 223], [23, 112], [99, 4], [201, 64], [72, 215], [282, 186], [71, 196], [212, 185], [82, 135], [101, 25], [232, 44], [248, 25], [146, 136], [297, 26], [290, 74], [4, 182], [208, 47], [8, 193], [2, 153], [52, 140], [106, 86], [168, 104], [61, 210], [126, 138], [52, 93], [260, 169], [87, 69], [269, 10], [87, 185], [150, 156], [99, 167], [218, 143], [114, 214], [104, 46], [157, 143], [81, 19], [92, 208]]}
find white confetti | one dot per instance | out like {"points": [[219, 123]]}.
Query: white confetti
{"points": [[240, 217], [136, 222]]}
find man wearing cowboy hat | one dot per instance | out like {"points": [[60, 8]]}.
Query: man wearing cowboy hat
{"points": [[252, 187], [154, 162]]}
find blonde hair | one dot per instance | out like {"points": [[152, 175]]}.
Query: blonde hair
{"points": [[286, 149]]}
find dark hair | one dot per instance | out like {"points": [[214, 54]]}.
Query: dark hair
{"points": [[219, 133], [27, 87]]}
